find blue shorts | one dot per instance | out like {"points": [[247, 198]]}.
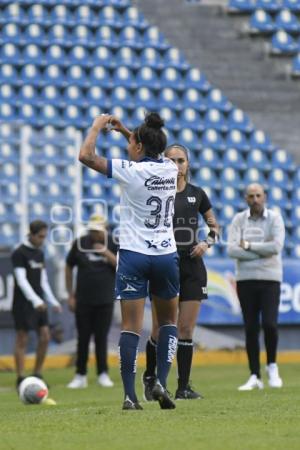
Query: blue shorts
{"points": [[136, 271]]}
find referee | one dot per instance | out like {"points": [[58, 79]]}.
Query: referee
{"points": [[190, 201], [255, 241], [31, 288]]}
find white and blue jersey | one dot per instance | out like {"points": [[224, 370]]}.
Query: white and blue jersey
{"points": [[148, 190], [147, 253]]}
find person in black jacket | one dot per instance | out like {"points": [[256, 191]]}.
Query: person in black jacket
{"points": [[30, 292], [190, 201], [93, 298]]}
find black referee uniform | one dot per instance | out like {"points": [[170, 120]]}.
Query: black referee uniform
{"points": [[95, 294], [26, 317], [193, 276]]}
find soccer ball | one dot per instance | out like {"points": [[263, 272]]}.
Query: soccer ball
{"points": [[32, 390]]}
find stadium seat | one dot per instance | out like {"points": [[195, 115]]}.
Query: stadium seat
{"points": [[152, 58], [191, 118], [147, 76], [131, 37], [189, 138], [54, 75], [279, 177], [50, 95], [196, 79], [214, 118], [230, 176], [73, 95], [296, 178], [278, 196], [168, 97], [269, 5], [192, 98], [110, 16], [237, 139], [241, 6], [283, 43], [61, 14], [174, 58], [261, 22], [11, 33], [7, 93], [286, 20], [152, 37], [230, 195], [215, 99], [258, 139], [107, 37], [122, 97], [55, 54], [84, 15], [143, 96], [37, 13], [76, 75], [281, 159], [292, 5], [123, 76], [295, 69], [233, 158], [258, 158], [207, 177], [226, 214], [254, 175], [32, 54], [238, 120], [170, 77], [8, 73], [133, 17], [81, 56], [209, 157], [128, 57], [213, 139], [34, 34], [13, 13], [9, 53], [97, 96]]}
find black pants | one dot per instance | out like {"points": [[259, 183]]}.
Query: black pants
{"points": [[259, 298], [92, 320]]}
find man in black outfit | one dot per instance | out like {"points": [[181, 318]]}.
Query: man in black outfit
{"points": [[31, 288], [93, 299]]}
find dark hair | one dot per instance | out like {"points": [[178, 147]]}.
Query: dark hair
{"points": [[185, 151], [151, 135], [36, 226]]}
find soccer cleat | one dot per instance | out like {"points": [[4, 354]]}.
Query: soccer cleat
{"points": [[274, 379], [104, 380], [163, 397], [148, 385], [130, 405], [19, 381], [78, 382], [252, 383], [187, 394]]}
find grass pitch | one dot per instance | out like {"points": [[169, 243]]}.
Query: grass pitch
{"points": [[92, 418]]}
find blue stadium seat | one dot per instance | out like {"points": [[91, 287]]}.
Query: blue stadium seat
{"points": [[13, 13], [10, 173], [143, 96], [96, 95], [230, 195], [233, 158], [152, 37], [296, 178], [283, 43], [213, 139], [122, 97], [280, 158], [237, 139], [55, 54], [261, 22], [214, 118], [110, 16], [11, 33], [258, 158], [189, 138], [168, 97], [170, 77], [242, 6], [7, 93], [206, 176], [279, 177], [278, 196], [54, 75], [147, 76], [82, 35], [216, 99], [9, 152], [209, 157], [100, 76], [73, 95], [29, 94], [30, 74], [258, 139], [128, 57], [230, 176], [37, 13], [9, 53], [7, 112], [123, 76], [34, 34], [91, 113], [133, 17], [117, 152], [152, 58], [32, 54], [287, 21], [191, 118], [84, 15], [49, 114], [196, 79], [295, 69], [77, 75], [269, 5], [174, 58], [73, 115], [238, 120], [226, 214], [93, 190], [192, 98], [292, 5], [8, 73], [50, 95], [254, 175], [131, 37], [61, 14], [102, 56], [59, 35], [81, 56], [106, 36], [28, 113]]}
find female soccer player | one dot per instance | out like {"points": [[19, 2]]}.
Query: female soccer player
{"points": [[147, 246], [190, 201]]}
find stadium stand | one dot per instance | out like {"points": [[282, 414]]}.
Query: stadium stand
{"points": [[62, 64]]}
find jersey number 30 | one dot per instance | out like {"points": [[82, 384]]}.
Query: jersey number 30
{"points": [[156, 213]]}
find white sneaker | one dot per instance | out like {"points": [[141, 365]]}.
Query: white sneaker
{"points": [[78, 382], [274, 379], [252, 383], [104, 380]]}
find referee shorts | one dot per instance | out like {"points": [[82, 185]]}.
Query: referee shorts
{"points": [[27, 318], [193, 279]]}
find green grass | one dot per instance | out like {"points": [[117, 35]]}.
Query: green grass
{"points": [[92, 418]]}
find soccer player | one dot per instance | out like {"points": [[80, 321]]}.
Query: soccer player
{"points": [[31, 288], [147, 245], [93, 298], [189, 202]]}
